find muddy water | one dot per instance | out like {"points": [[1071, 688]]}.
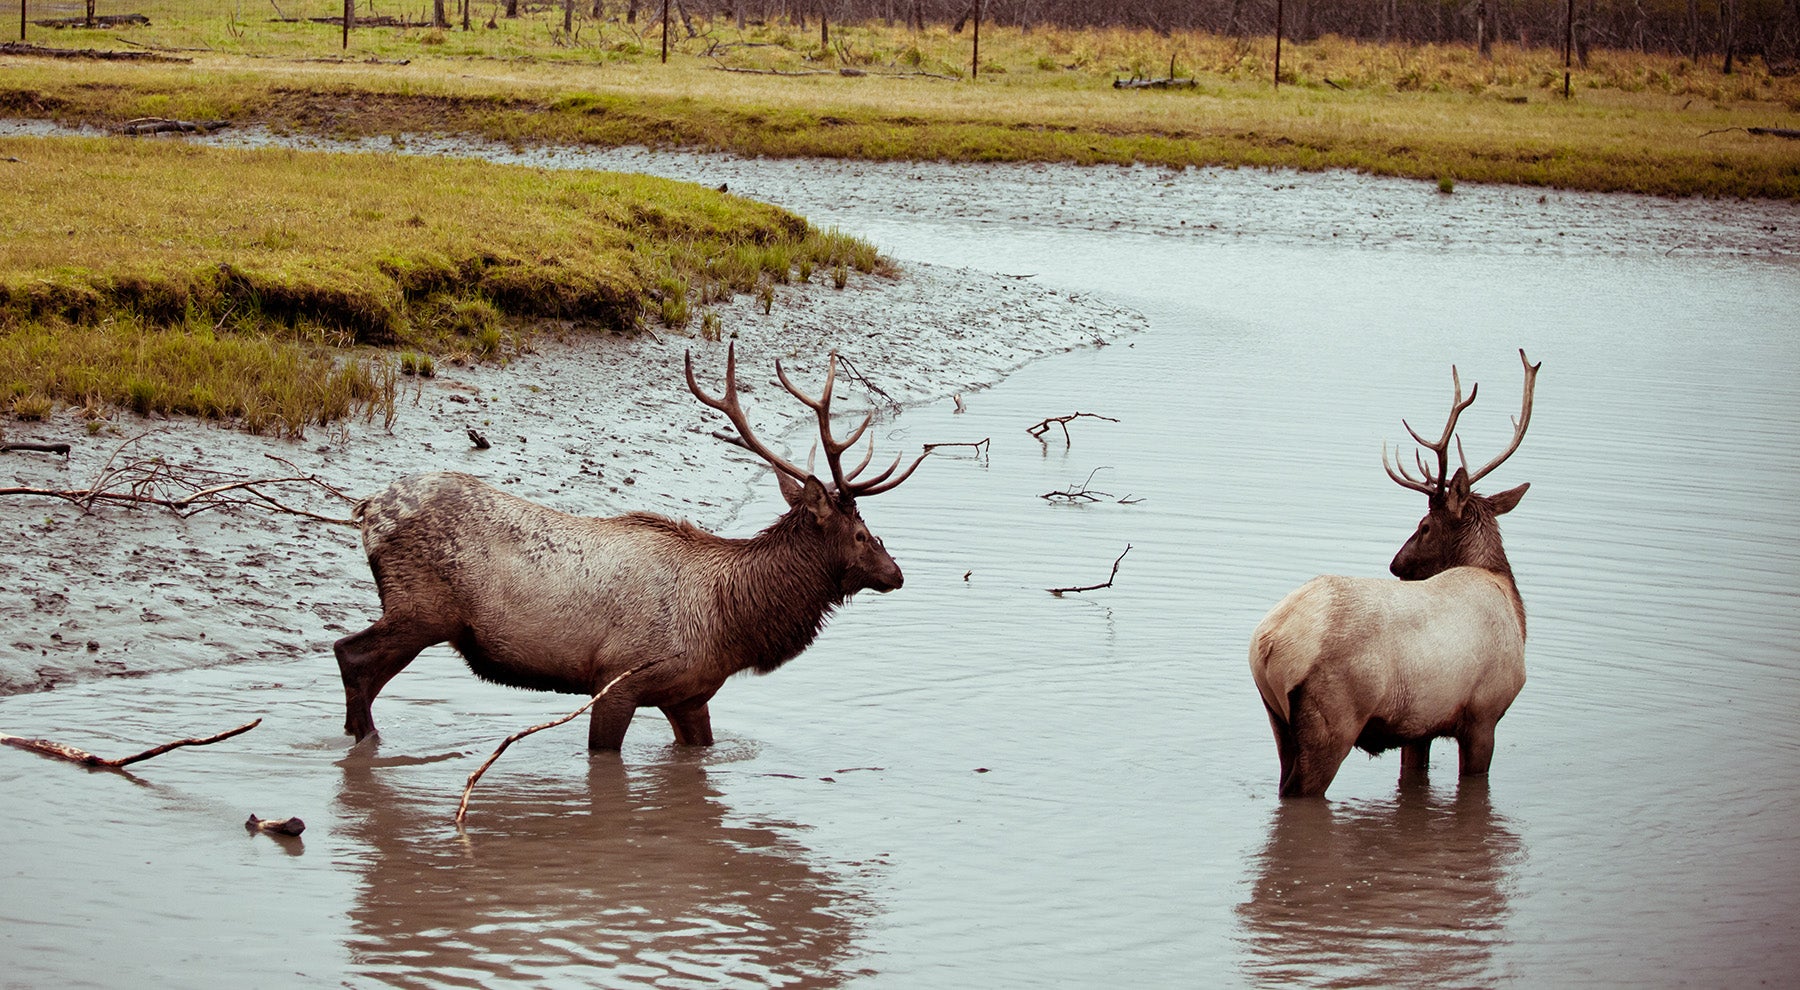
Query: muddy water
{"points": [[974, 782]]}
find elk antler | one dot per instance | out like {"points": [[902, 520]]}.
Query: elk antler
{"points": [[728, 404], [1432, 483], [845, 482]]}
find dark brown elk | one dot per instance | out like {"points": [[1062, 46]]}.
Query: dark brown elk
{"points": [[1379, 664], [536, 598]]}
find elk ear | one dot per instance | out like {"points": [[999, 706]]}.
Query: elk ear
{"points": [[790, 489], [1456, 493], [1508, 500], [816, 499]]}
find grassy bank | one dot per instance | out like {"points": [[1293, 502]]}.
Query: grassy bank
{"points": [[1636, 123], [270, 287]]}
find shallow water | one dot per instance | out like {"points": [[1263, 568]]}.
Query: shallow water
{"points": [[973, 782]]}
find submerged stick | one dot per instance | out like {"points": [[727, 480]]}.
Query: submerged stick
{"points": [[462, 808], [46, 747], [1044, 425], [1095, 587]]}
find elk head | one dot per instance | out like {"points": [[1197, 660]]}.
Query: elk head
{"points": [[1460, 527], [823, 510]]}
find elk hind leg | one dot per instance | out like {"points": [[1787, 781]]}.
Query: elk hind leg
{"points": [[1415, 759], [371, 658], [1285, 743], [691, 721], [1324, 732]]}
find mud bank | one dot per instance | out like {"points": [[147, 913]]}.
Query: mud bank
{"points": [[589, 425]]}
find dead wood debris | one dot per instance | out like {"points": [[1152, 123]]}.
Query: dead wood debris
{"points": [[1043, 426], [21, 48], [163, 125], [462, 808], [1086, 493], [275, 826], [1059, 592], [979, 447], [101, 20], [42, 448], [60, 751], [1790, 133], [1154, 84], [185, 490]]}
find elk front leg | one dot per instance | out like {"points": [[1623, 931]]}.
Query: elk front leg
{"points": [[1476, 749], [371, 658], [1415, 758], [610, 719], [691, 721]]}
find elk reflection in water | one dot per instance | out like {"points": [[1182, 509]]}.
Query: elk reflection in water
{"points": [[1407, 892], [641, 878]]}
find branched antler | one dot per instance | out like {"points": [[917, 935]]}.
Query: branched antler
{"points": [[1431, 482]]}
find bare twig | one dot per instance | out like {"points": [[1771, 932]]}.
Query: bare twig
{"points": [[854, 375], [462, 808], [1063, 421], [62, 752], [980, 447], [1059, 592], [184, 490], [1082, 494]]}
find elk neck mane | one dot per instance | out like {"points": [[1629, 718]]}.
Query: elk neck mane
{"points": [[771, 592], [1480, 546]]}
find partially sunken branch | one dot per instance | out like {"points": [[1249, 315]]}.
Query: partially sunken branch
{"points": [[1063, 421], [60, 751], [1059, 592], [462, 808]]}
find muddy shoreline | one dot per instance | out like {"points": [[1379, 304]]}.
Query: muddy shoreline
{"points": [[594, 425]]}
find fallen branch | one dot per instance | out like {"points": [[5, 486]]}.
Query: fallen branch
{"points": [[1082, 494], [462, 808], [1063, 421], [42, 448], [163, 125], [1059, 592], [1781, 132], [186, 491], [17, 48], [59, 751], [980, 447], [102, 20], [857, 376], [1154, 84]]}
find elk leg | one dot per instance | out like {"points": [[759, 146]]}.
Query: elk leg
{"points": [[1319, 748], [371, 658], [611, 717], [1476, 749], [691, 721], [1415, 758], [1284, 742]]}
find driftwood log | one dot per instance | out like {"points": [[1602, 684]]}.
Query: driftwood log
{"points": [[21, 48], [163, 125], [275, 826], [103, 20], [42, 448], [60, 751], [1154, 84]]}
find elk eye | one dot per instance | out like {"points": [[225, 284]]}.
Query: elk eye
{"points": [[862, 537]]}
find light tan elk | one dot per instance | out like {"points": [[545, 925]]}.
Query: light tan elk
{"points": [[1381, 664], [535, 598]]}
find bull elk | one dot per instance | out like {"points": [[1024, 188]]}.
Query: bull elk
{"points": [[1380, 664], [539, 599]]}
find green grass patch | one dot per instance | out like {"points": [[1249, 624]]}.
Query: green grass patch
{"points": [[270, 286]]}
